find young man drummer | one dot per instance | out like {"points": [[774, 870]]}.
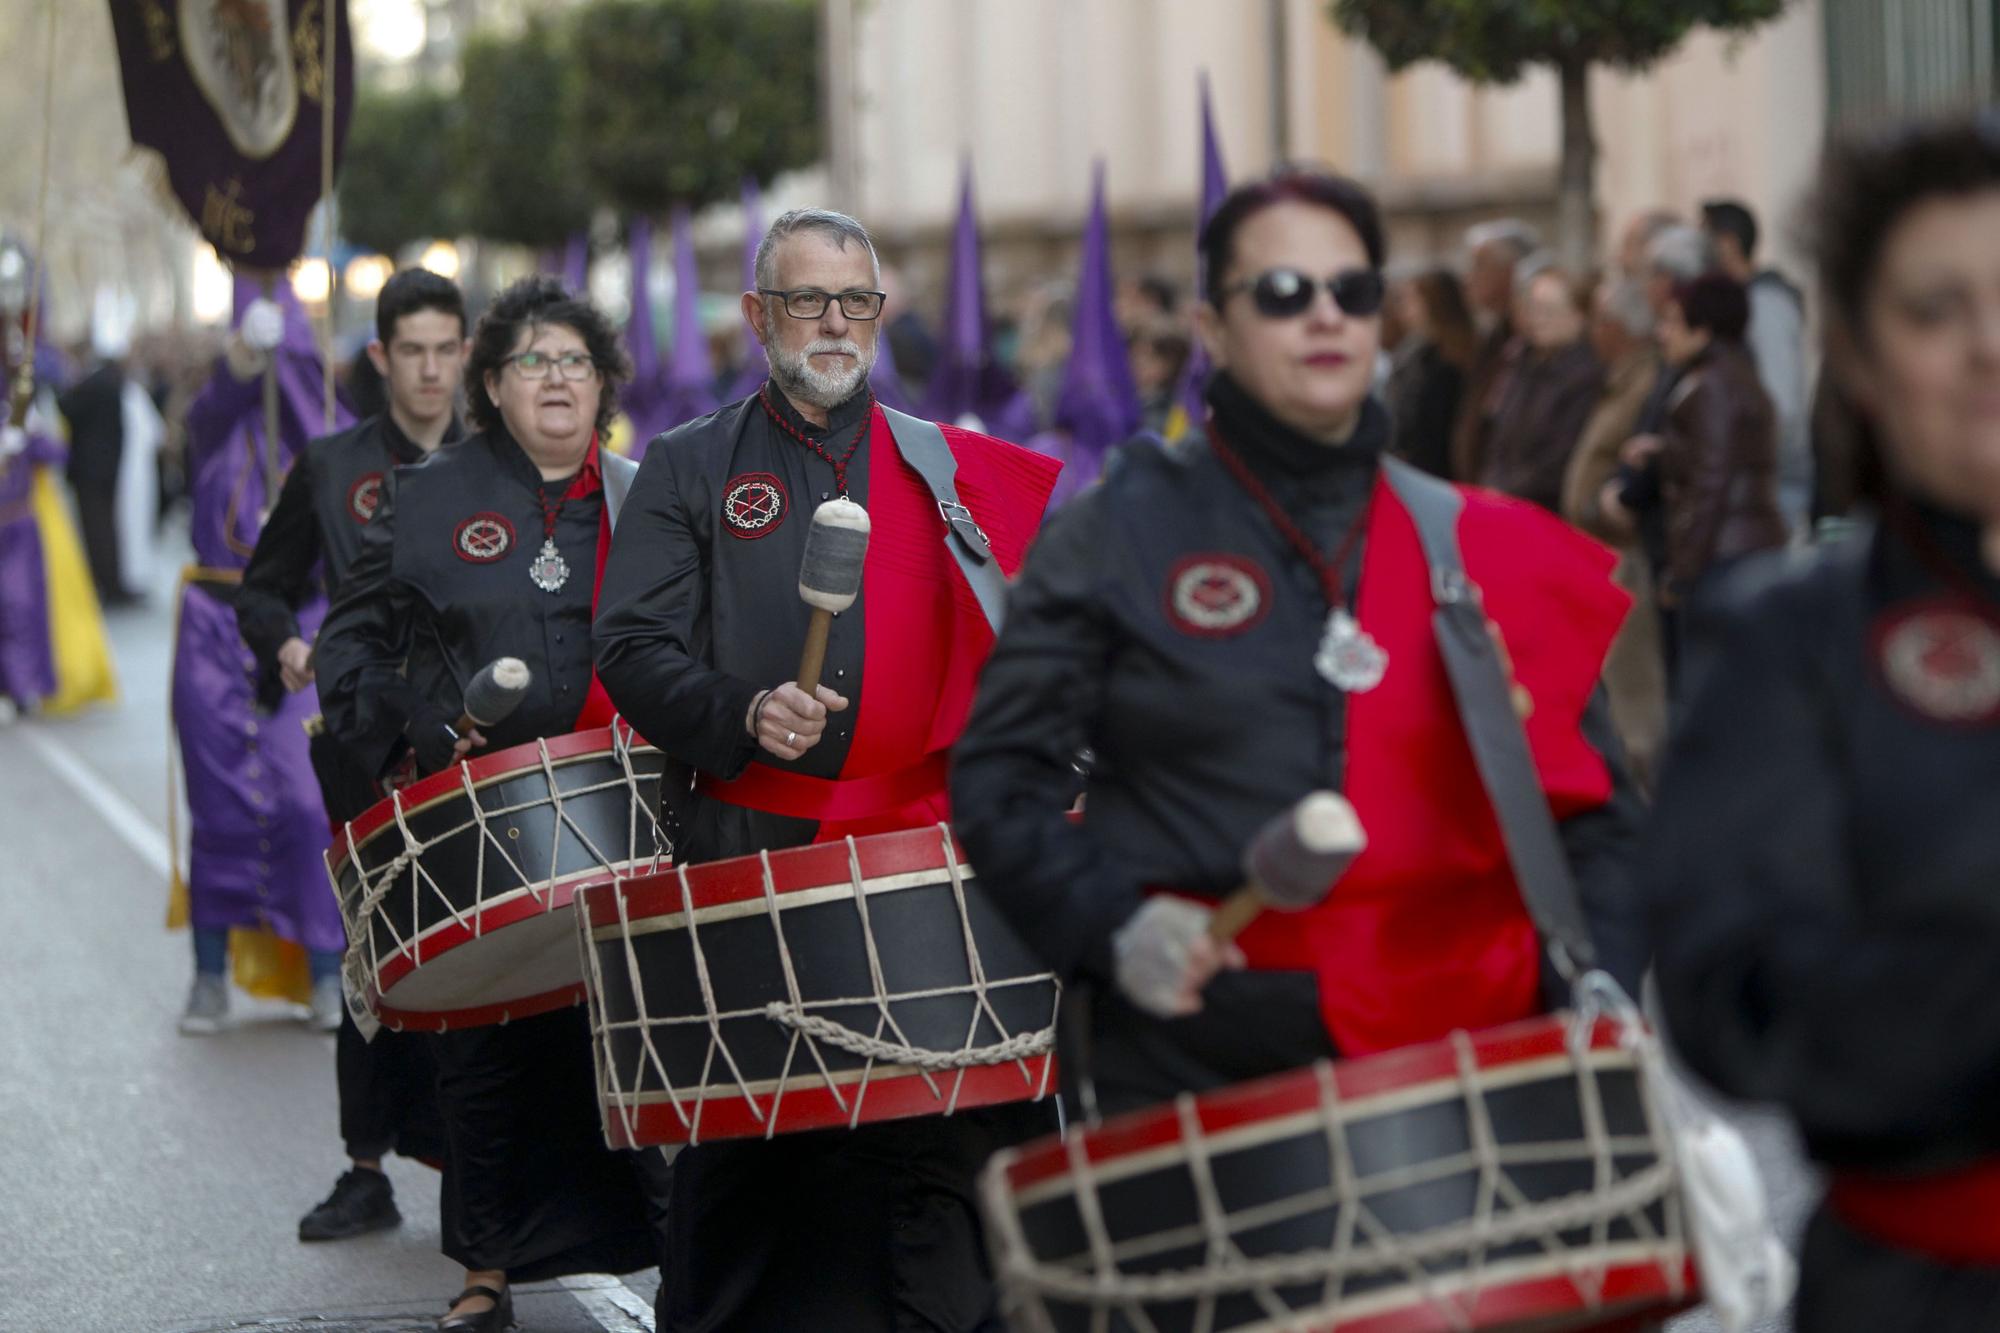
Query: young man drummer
{"points": [[308, 545], [698, 638]]}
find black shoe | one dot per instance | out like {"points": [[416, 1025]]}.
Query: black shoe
{"points": [[362, 1201], [499, 1319]]}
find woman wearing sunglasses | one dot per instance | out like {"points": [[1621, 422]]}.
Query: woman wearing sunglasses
{"points": [[1234, 621]]}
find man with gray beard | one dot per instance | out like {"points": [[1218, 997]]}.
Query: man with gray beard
{"points": [[697, 640]]}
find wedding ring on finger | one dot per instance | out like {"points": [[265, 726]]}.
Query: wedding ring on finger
{"points": [[790, 737]]}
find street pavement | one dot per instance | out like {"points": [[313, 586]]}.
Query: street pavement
{"points": [[150, 1181]]}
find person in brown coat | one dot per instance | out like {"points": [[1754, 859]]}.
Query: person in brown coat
{"points": [[1551, 393], [1621, 333], [1496, 249], [1718, 455]]}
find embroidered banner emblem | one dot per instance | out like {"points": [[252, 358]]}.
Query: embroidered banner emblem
{"points": [[1942, 658], [753, 505], [364, 497], [483, 538], [240, 55], [1217, 595]]}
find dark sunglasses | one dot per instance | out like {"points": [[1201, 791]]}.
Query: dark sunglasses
{"points": [[1285, 293]]}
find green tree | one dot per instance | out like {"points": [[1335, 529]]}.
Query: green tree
{"points": [[1492, 42], [517, 153], [392, 180], [686, 97]]}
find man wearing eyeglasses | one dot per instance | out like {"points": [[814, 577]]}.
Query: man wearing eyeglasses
{"points": [[698, 639]]}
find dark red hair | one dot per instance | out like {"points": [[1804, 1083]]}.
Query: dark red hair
{"points": [[1337, 194]]}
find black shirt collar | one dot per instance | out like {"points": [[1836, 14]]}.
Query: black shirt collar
{"points": [[406, 450], [1953, 538], [840, 418], [1272, 446], [515, 462]]}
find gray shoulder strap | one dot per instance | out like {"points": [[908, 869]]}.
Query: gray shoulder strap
{"points": [[1486, 708], [923, 447], [619, 473]]}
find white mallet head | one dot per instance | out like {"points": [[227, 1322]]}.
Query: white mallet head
{"points": [[836, 551]]}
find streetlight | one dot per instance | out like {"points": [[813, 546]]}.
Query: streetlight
{"points": [[441, 258], [366, 275], [312, 283]]}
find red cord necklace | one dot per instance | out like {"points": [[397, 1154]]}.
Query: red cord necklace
{"points": [[1349, 658], [839, 465]]}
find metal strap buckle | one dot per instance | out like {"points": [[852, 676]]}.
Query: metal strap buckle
{"points": [[961, 521]]}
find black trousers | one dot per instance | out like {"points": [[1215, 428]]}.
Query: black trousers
{"points": [[870, 1230], [1850, 1284], [388, 1094], [529, 1187], [97, 516]]}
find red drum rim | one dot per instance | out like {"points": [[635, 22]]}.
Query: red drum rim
{"points": [[741, 878], [480, 770], [478, 1016], [516, 907], [725, 1115], [1299, 1093], [1636, 1296]]}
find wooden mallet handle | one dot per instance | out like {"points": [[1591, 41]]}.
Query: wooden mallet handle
{"points": [[1292, 863], [813, 659], [1234, 913]]}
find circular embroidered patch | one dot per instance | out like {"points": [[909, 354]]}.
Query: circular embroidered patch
{"points": [[1942, 658], [753, 505], [364, 497], [1217, 595], [483, 538]]}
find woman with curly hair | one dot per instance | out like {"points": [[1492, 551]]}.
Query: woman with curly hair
{"points": [[491, 548]]}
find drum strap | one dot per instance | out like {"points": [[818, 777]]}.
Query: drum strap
{"points": [[923, 447], [1485, 707], [618, 474]]}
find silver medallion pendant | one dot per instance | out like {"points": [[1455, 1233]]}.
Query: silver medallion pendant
{"points": [[549, 570], [1348, 656]]}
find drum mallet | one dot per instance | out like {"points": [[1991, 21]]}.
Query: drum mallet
{"points": [[830, 577], [494, 693], [1293, 862]]}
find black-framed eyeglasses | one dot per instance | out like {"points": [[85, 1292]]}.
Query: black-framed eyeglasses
{"points": [[1286, 293], [811, 303], [540, 365]]}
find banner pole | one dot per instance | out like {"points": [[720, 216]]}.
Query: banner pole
{"points": [[327, 94], [22, 393]]}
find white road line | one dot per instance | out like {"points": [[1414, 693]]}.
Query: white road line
{"points": [[132, 828], [615, 1306]]}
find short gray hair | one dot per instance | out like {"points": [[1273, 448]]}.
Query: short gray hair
{"points": [[1680, 251], [1530, 267], [1625, 304], [1515, 234], [836, 227]]}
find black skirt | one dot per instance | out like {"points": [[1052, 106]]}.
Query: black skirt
{"points": [[1850, 1284], [529, 1187], [869, 1230]]}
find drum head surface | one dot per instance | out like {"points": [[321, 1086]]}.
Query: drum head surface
{"points": [[685, 1019], [471, 921], [1443, 1197]]}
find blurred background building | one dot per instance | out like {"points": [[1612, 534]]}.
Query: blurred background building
{"points": [[1031, 93]]}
